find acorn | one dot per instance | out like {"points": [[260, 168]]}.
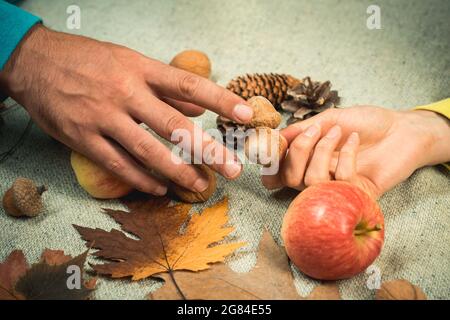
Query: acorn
{"points": [[23, 198]]}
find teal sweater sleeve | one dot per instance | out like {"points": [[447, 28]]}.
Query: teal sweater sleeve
{"points": [[14, 25]]}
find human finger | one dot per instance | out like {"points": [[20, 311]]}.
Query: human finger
{"points": [[319, 166]]}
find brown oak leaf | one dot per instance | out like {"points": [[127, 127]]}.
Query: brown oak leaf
{"points": [[46, 280], [271, 278], [160, 247], [11, 270], [54, 257], [325, 291], [399, 290]]}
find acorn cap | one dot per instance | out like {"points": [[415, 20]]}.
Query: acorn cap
{"points": [[26, 197]]}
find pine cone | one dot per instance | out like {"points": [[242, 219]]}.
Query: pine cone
{"points": [[309, 98], [272, 86], [232, 132]]}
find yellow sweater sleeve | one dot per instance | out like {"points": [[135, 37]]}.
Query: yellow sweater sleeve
{"points": [[441, 107]]}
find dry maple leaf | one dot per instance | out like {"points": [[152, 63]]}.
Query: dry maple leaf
{"points": [[46, 280], [160, 246], [271, 278]]}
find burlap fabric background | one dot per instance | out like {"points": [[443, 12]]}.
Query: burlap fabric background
{"points": [[405, 64]]}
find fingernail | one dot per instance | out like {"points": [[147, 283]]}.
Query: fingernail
{"points": [[311, 131], [161, 190], [243, 113], [232, 170], [334, 132], [200, 184]]}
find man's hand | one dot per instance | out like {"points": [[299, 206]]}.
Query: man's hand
{"points": [[371, 147], [92, 95]]}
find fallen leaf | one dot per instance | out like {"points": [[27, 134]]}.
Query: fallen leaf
{"points": [[160, 246], [91, 283], [57, 257], [270, 278], [326, 291], [46, 280], [399, 290], [11, 270], [142, 201], [54, 257]]}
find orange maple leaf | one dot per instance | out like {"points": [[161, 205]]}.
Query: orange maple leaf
{"points": [[160, 246]]}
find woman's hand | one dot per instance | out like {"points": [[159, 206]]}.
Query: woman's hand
{"points": [[372, 147], [92, 95]]}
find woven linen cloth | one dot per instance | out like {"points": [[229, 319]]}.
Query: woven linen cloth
{"points": [[405, 63]]}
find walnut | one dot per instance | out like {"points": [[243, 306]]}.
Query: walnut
{"points": [[189, 196], [399, 290], [265, 146], [193, 61]]}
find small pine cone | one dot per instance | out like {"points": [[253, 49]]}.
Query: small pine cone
{"points": [[233, 133], [272, 86], [309, 98]]}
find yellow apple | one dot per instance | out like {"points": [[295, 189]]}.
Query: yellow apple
{"points": [[98, 182]]}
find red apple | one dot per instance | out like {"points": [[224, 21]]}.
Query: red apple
{"points": [[333, 230]]}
